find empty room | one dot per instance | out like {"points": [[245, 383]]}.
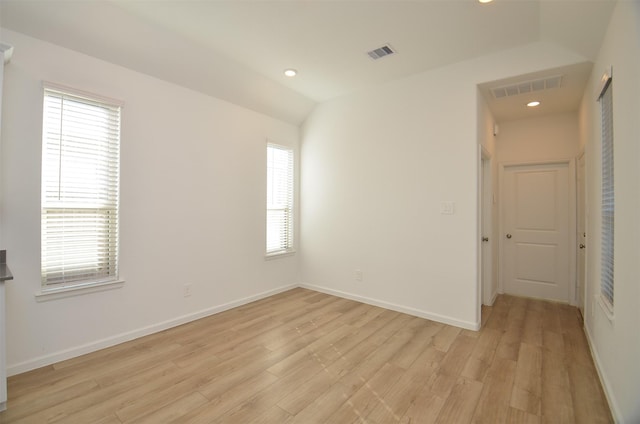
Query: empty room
{"points": [[319, 211]]}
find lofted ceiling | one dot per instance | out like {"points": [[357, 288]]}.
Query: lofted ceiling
{"points": [[237, 50]]}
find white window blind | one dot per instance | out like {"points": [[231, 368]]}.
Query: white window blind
{"points": [[608, 198], [80, 189], [279, 199]]}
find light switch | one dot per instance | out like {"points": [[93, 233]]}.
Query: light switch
{"points": [[447, 208]]}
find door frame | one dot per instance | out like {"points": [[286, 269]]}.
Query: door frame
{"points": [[572, 230], [581, 305], [485, 228]]}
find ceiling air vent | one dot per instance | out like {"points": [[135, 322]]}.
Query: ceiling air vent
{"points": [[527, 87], [383, 51]]}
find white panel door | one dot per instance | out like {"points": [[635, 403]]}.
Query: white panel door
{"points": [[536, 231]]}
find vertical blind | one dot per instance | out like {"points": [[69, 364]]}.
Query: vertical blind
{"points": [[80, 189], [608, 199], [279, 199]]}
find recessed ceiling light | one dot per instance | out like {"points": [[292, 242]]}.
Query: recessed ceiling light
{"points": [[533, 104], [290, 72], [485, 1]]}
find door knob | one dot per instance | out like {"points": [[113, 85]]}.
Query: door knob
{"points": [[485, 238], [582, 246], [508, 235]]}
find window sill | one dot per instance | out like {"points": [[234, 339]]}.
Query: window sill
{"points": [[276, 255], [47, 294], [606, 308]]}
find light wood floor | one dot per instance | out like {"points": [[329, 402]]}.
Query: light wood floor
{"points": [[306, 357]]}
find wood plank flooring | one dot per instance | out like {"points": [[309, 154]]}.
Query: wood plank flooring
{"points": [[306, 357]]}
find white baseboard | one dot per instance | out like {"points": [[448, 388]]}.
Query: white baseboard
{"points": [[493, 299], [398, 308], [62, 355], [613, 405], [494, 296], [41, 361]]}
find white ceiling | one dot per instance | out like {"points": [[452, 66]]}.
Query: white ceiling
{"points": [[237, 50]]}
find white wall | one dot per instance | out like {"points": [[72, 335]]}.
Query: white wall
{"points": [[616, 343], [193, 178], [375, 167], [538, 139]]}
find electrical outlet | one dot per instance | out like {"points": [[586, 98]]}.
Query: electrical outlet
{"points": [[186, 290], [447, 208], [358, 275]]}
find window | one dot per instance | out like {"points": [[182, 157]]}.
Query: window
{"points": [[80, 185], [279, 199], [608, 198]]}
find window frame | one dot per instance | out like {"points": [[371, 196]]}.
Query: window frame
{"points": [[106, 212], [607, 202], [289, 238]]}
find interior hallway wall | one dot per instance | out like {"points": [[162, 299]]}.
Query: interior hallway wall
{"points": [[615, 340], [549, 137]]}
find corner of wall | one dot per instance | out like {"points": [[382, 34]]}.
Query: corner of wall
{"points": [[468, 325]]}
